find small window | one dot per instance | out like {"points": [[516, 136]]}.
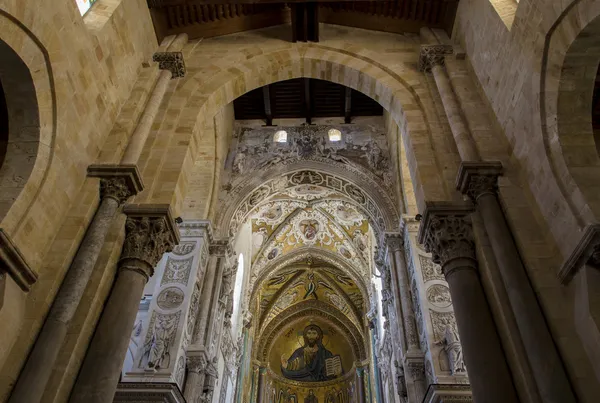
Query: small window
{"points": [[84, 5], [335, 135], [280, 136]]}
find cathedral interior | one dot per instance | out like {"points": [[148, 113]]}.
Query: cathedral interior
{"points": [[268, 201]]}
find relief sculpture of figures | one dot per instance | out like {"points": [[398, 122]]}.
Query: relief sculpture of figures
{"points": [[451, 344], [156, 349], [308, 363]]}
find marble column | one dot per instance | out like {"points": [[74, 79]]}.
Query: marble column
{"points": [[117, 184], [196, 371], [149, 233], [413, 363], [446, 232], [479, 180], [260, 393], [432, 59], [360, 385]]}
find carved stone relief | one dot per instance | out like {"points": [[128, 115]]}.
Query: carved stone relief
{"points": [[180, 371], [170, 298], [431, 271], [184, 248], [439, 295], [177, 271], [194, 304], [159, 340], [439, 321]]}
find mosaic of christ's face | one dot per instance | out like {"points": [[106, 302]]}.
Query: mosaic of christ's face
{"points": [[311, 337]]}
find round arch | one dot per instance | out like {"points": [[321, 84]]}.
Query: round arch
{"points": [[570, 62], [206, 94]]}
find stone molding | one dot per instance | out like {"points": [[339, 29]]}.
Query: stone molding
{"points": [[476, 178], [196, 228], [148, 392], [14, 263], [447, 234], [172, 61], [117, 181], [433, 55], [587, 251], [221, 247], [394, 241], [448, 393], [150, 232]]}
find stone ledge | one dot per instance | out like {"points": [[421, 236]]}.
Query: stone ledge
{"points": [[13, 263], [450, 393], [148, 392]]}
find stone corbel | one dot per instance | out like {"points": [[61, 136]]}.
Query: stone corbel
{"points": [[433, 55]]}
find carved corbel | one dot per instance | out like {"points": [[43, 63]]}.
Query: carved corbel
{"points": [[172, 61], [433, 55]]}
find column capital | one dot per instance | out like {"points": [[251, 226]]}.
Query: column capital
{"points": [[117, 181], [415, 367], [433, 55], [221, 247], [149, 233], [477, 178], [172, 61], [196, 363], [447, 234], [394, 241]]}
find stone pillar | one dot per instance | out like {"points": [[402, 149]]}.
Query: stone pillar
{"points": [[196, 371], [412, 361], [360, 385], [432, 59], [149, 232], [117, 184], [479, 180], [446, 233]]}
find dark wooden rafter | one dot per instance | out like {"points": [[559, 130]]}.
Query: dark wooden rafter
{"points": [[304, 98], [267, 103], [305, 22], [348, 106], [307, 103]]}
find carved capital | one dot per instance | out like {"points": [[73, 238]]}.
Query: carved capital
{"points": [[172, 61], [394, 241], [220, 248], [149, 233], [447, 234], [196, 364], [416, 369], [433, 55], [117, 181], [476, 179]]}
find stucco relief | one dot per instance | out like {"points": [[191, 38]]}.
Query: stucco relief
{"points": [[177, 271], [431, 271], [156, 352], [170, 298], [439, 296]]}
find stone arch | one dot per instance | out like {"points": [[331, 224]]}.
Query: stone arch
{"points": [[204, 94], [378, 206], [569, 66], [27, 80]]}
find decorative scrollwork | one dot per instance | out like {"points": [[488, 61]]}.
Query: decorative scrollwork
{"points": [[449, 237]]}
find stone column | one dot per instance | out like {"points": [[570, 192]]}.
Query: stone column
{"points": [[196, 365], [260, 395], [432, 59], [479, 180], [149, 232], [413, 363], [446, 233], [360, 385], [117, 184]]}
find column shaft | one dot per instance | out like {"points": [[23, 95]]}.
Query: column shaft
{"points": [[488, 371], [139, 136], [360, 385], [545, 362], [458, 126], [99, 375], [39, 366], [194, 379], [408, 313], [205, 298]]}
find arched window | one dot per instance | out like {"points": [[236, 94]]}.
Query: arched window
{"points": [[280, 136], [237, 292], [334, 135], [84, 5]]}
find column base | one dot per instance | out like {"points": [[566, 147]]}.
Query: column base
{"points": [[148, 392], [437, 393]]}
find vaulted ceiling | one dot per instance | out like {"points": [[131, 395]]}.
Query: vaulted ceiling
{"points": [[208, 18]]}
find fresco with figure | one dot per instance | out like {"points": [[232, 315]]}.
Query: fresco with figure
{"points": [[312, 362]]}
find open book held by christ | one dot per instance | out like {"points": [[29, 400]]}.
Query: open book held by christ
{"points": [[333, 366]]}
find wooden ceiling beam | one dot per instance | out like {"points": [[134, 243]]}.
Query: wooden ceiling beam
{"points": [[348, 106], [267, 102], [307, 103]]}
